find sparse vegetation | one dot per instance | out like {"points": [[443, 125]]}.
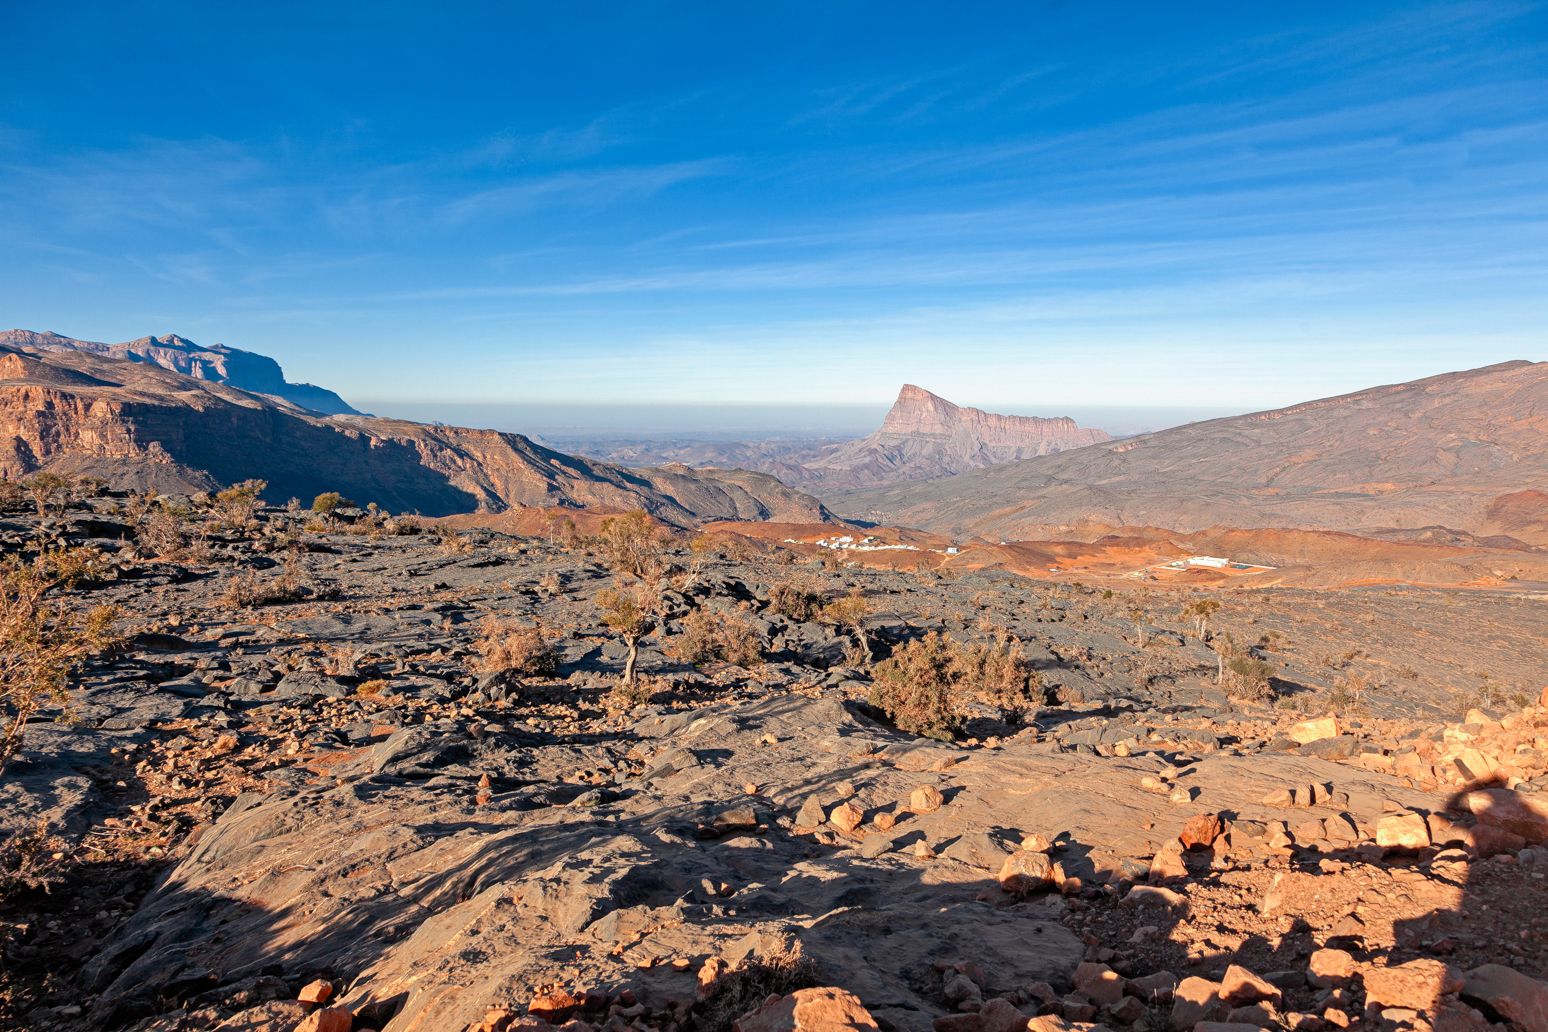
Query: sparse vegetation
{"points": [[718, 636], [800, 600], [632, 544], [506, 647], [752, 981], [1248, 677], [46, 641], [917, 687], [234, 507], [250, 589], [50, 492], [630, 611], [850, 612]]}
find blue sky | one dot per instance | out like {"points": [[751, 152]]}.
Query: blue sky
{"points": [[1020, 205]]}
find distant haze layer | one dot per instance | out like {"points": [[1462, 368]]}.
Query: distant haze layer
{"points": [[557, 420]]}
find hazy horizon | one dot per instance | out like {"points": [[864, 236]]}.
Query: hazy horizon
{"points": [[559, 421]]}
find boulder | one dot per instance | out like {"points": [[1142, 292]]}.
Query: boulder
{"points": [[1417, 985], [1314, 730], [1026, 872], [1201, 832], [824, 1009], [1399, 831], [1510, 994], [1510, 811]]}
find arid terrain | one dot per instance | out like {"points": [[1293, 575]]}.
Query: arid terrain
{"points": [[1239, 725], [346, 770]]}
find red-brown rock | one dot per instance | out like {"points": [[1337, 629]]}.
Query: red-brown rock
{"points": [[824, 1009]]}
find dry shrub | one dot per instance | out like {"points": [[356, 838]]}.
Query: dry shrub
{"points": [[708, 637], [251, 589], [31, 857], [45, 643], [925, 684], [1247, 677], [453, 543], [506, 647], [917, 687], [371, 689], [752, 981], [50, 493], [236, 506], [163, 532], [12, 497], [80, 564], [1001, 675], [402, 526], [799, 599]]}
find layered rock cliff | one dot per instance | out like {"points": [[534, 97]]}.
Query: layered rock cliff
{"points": [[924, 437], [244, 370], [138, 425]]}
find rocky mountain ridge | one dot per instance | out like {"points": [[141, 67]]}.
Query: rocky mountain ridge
{"points": [[245, 370], [138, 425], [1466, 451]]}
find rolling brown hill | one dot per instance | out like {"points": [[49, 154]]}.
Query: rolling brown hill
{"points": [[138, 425], [1466, 451]]}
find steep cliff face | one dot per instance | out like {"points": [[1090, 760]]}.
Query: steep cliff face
{"points": [[245, 370], [924, 436], [139, 425]]}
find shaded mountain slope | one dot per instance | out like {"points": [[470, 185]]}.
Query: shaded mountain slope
{"points": [[138, 425], [1442, 451]]}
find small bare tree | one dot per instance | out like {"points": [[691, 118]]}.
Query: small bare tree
{"points": [[49, 491], [1200, 611], [851, 611], [631, 612]]}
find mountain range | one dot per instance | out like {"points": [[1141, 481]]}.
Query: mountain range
{"points": [[922, 437], [244, 370], [135, 424], [1465, 450]]}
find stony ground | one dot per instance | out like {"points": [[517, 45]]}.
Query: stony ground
{"points": [[252, 799]]}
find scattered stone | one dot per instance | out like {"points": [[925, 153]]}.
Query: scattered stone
{"points": [[1417, 984], [1402, 831], [926, 799], [1099, 983], [1329, 968], [319, 991], [1201, 832], [1510, 994], [1025, 872], [329, 1019], [846, 817], [1239, 985]]}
